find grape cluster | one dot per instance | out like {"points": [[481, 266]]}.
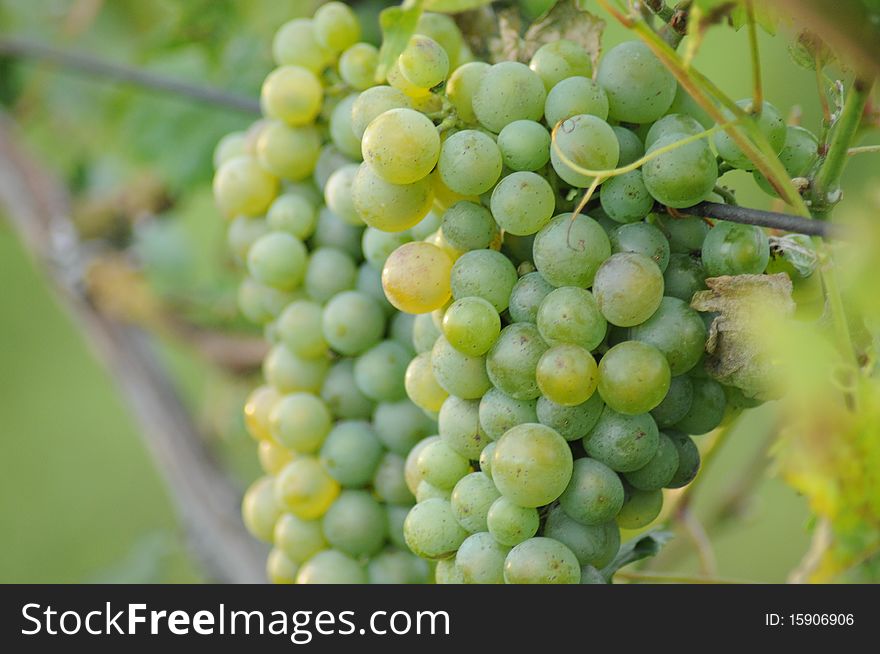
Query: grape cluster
{"points": [[532, 377]]}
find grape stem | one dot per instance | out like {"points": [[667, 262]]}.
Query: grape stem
{"points": [[758, 87], [772, 219], [93, 66], [864, 149]]}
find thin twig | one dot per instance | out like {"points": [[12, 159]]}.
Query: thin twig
{"points": [[757, 84], [95, 67], [782, 221], [697, 533], [863, 149], [671, 578]]}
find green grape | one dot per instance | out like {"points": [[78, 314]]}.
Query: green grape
{"points": [[379, 372], [681, 125], [508, 91], [337, 194], [342, 395], [560, 60], [683, 103], [389, 482], [431, 530], [681, 177], [734, 249], [463, 85], [688, 459], [416, 277], [243, 187], [631, 147], [641, 238], [426, 491], [332, 231], [676, 404], [305, 489], [357, 66], [659, 471], [242, 233], [369, 281], [331, 567], [422, 385], [569, 252], [573, 97], [486, 459], [273, 457], [330, 160], [684, 276], [299, 539], [486, 274], [351, 453], [798, 155], [336, 26], [471, 325], [524, 145], [425, 333], [374, 102], [294, 214], [378, 245], [353, 323], [567, 374], [355, 524], [396, 515], [260, 303], [228, 147], [769, 121], [400, 425], [595, 545], [480, 559], [329, 272], [259, 509], [531, 465], [300, 422], [623, 443], [511, 524], [541, 561], [469, 226], [628, 288], [278, 259], [411, 473], [677, 331], [640, 89], [640, 508], [401, 323], [634, 377], [443, 29], [459, 427], [342, 131], [686, 234], [256, 411], [518, 248], [401, 145], [459, 374], [446, 572], [396, 567], [424, 62], [295, 43], [512, 362], [299, 329], [292, 94], [499, 412], [707, 409], [625, 198], [279, 568], [290, 373], [522, 203], [440, 465], [594, 495], [571, 315], [390, 207], [471, 499], [572, 422], [583, 141], [526, 297], [470, 162], [288, 152]]}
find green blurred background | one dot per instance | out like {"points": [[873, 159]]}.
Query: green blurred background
{"points": [[80, 497]]}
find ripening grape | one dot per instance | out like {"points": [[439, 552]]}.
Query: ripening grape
{"points": [[798, 155], [446, 572], [443, 30], [625, 197], [522, 203], [260, 510], [511, 524], [468, 226], [390, 207], [707, 408], [640, 508], [659, 471], [243, 187], [351, 453], [486, 459], [337, 194], [572, 422], [634, 377], [679, 124], [569, 251], [300, 422], [355, 524], [541, 561], [640, 89], [374, 102], [677, 331], [461, 87], [330, 160], [683, 277], [273, 457], [353, 322], [734, 249], [622, 442], [228, 147], [526, 297], [583, 142], [278, 259], [641, 238], [769, 121], [426, 491], [572, 97], [524, 145], [421, 384], [683, 176], [481, 559], [559, 60], [279, 568], [331, 567], [417, 95], [676, 404], [299, 329], [631, 147], [531, 465], [401, 145], [499, 412], [357, 66], [628, 288], [486, 274], [378, 245], [291, 212], [400, 425], [329, 272], [593, 545], [470, 162], [305, 489], [471, 499], [342, 395], [459, 426], [336, 26], [342, 131], [424, 62], [431, 530], [256, 411], [513, 360], [292, 94], [288, 152], [416, 277], [594, 495], [299, 539], [459, 374], [295, 44], [508, 91], [379, 372], [567, 374], [425, 333], [471, 325], [571, 315], [688, 459], [290, 373]]}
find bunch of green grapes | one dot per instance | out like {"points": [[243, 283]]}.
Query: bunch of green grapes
{"points": [[553, 365]]}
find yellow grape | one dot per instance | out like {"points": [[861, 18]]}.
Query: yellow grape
{"points": [[390, 207], [288, 152], [440, 241], [445, 197], [273, 457], [421, 385], [401, 145], [243, 187], [260, 510], [416, 277], [398, 81], [292, 94], [305, 488], [256, 411]]}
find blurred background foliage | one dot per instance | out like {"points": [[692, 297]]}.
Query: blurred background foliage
{"points": [[80, 499]]}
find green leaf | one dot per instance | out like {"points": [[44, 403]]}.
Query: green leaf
{"points": [[641, 547], [398, 25], [765, 18], [454, 6], [809, 51]]}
